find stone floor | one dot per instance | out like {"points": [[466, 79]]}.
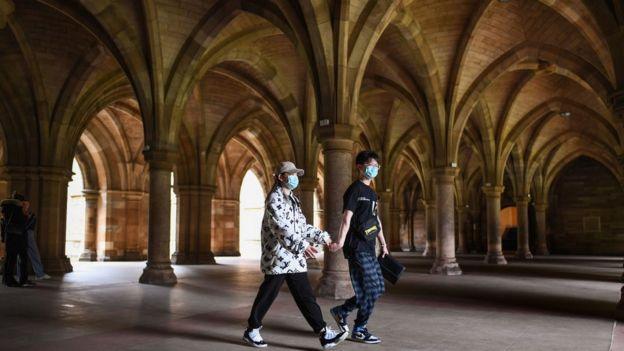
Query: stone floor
{"points": [[551, 303]]}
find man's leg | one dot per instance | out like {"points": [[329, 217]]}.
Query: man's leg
{"points": [[33, 255], [23, 259], [269, 289], [300, 288], [10, 261]]}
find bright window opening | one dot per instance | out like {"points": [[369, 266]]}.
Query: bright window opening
{"points": [[252, 198]]}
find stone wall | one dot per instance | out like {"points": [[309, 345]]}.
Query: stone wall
{"points": [[587, 211]]}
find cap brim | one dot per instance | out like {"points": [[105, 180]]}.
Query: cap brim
{"points": [[300, 172]]}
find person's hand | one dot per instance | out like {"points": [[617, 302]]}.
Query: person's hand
{"points": [[384, 251], [335, 247], [310, 252], [328, 241]]}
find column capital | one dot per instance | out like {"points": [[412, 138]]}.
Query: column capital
{"points": [[337, 144], [194, 189], [541, 206], [385, 196], [493, 190], [336, 131], [308, 183], [160, 158], [39, 172], [523, 199], [445, 175], [90, 194]]}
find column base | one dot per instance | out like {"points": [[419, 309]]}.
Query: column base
{"points": [[335, 285], [158, 274], [313, 263], [230, 253], [445, 267], [88, 256], [59, 265], [495, 258], [524, 255]]}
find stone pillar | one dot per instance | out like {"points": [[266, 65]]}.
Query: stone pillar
{"points": [[386, 216], [335, 282], [540, 227], [158, 270], [46, 187], [91, 223], [524, 250], [404, 231], [307, 187], [495, 246], [194, 225], [617, 100], [444, 187], [430, 227], [462, 246]]}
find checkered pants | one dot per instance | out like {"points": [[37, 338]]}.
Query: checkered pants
{"points": [[368, 284]]}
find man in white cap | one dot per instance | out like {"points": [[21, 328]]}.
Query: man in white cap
{"points": [[287, 240]]}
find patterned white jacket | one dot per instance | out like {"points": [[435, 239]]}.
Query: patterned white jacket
{"points": [[286, 235]]}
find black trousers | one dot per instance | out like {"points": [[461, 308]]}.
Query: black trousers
{"points": [[16, 245], [299, 287]]}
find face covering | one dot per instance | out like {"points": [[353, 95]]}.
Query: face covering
{"points": [[292, 182], [371, 172]]}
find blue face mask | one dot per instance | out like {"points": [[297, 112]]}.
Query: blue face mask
{"points": [[293, 182], [371, 172]]}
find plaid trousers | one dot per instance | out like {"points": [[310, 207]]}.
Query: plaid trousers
{"points": [[368, 285]]}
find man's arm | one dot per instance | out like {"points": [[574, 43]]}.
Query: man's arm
{"points": [[382, 239], [344, 229]]}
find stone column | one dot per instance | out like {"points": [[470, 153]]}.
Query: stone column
{"points": [[522, 206], [386, 216], [461, 231], [430, 227], [307, 187], [617, 100], [158, 270], [91, 222], [46, 187], [495, 245], [335, 282], [540, 219], [404, 231], [445, 262]]}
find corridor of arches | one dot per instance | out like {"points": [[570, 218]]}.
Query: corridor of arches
{"points": [[149, 131]]}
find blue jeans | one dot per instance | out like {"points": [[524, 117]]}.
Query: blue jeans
{"points": [[33, 255]]}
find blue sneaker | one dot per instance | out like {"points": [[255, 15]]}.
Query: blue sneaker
{"points": [[362, 335], [340, 318]]}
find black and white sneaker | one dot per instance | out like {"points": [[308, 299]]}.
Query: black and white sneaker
{"points": [[253, 338], [340, 318], [330, 338], [362, 335]]}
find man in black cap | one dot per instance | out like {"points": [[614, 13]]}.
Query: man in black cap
{"points": [[13, 230]]}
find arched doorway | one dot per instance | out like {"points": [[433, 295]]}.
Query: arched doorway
{"points": [[252, 197], [76, 209]]}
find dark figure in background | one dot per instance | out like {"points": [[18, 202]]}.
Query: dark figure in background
{"points": [[13, 230]]}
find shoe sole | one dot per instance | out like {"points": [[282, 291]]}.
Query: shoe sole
{"points": [[343, 328], [334, 344], [251, 343], [365, 342]]}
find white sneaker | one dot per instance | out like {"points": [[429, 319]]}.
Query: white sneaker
{"points": [[43, 277], [330, 338], [253, 338]]}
